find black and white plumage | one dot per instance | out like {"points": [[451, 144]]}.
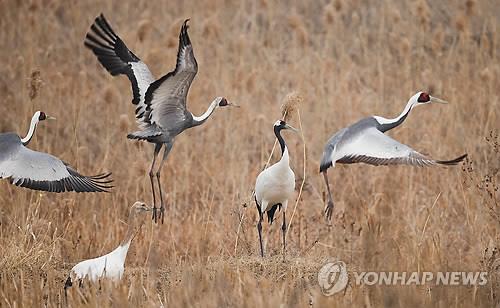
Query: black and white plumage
{"points": [[365, 142], [274, 186], [161, 110], [42, 171]]}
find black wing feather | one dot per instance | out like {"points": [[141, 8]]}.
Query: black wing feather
{"points": [[75, 182], [112, 52], [415, 160]]}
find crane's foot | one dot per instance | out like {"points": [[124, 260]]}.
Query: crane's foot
{"points": [[162, 213], [155, 217], [329, 210]]}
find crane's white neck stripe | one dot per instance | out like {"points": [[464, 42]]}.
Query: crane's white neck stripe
{"points": [[31, 131], [403, 114], [199, 120]]}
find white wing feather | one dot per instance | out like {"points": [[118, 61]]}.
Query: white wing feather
{"points": [[37, 166], [375, 148]]}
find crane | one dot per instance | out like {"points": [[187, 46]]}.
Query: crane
{"points": [[275, 186], [161, 111], [111, 265], [365, 142], [41, 171]]}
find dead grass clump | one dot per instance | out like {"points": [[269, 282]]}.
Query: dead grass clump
{"points": [[487, 183], [290, 104], [211, 29], [438, 39], [405, 47], [486, 75], [111, 95], [296, 22], [461, 23], [329, 14], [124, 123], [423, 12], [144, 29], [35, 84], [470, 7]]}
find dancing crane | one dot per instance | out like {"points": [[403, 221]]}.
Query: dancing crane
{"points": [[274, 186], [365, 142], [42, 171], [161, 111]]}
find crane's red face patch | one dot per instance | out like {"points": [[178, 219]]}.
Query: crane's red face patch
{"points": [[424, 98], [42, 116]]}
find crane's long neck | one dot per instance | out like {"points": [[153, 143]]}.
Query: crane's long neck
{"points": [[201, 119], [387, 124], [31, 131], [132, 230], [284, 149], [128, 236], [134, 226]]}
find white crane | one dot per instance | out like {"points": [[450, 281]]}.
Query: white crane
{"points": [[274, 186], [112, 264], [42, 171], [365, 142], [161, 111]]}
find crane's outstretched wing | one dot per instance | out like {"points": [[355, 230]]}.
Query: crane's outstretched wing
{"points": [[41, 171], [117, 59], [166, 97], [374, 148]]}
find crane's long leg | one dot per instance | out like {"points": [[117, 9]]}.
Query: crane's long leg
{"points": [[283, 228], [329, 206], [168, 147], [151, 176], [259, 228]]}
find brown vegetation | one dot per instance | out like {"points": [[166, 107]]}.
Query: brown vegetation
{"points": [[347, 59]]}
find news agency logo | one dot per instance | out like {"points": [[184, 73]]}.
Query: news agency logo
{"points": [[333, 278]]}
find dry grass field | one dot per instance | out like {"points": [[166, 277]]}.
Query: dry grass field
{"points": [[347, 60]]}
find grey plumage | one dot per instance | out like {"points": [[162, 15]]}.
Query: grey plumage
{"points": [[41, 171], [166, 97], [365, 142], [380, 149], [161, 110]]}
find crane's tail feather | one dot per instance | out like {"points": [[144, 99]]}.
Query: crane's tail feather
{"points": [[144, 134], [68, 283], [325, 165], [453, 161], [270, 212], [326, 158]]}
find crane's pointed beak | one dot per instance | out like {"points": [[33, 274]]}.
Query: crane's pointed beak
{"points": [[437, 100], [292, 128], [233, 105], [50, 118]]}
